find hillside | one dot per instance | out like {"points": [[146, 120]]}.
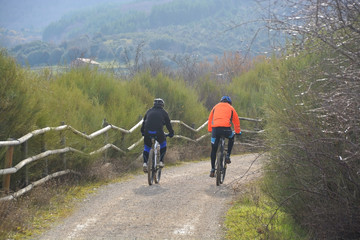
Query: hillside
{"points": [[38, 14], [202, 29]]}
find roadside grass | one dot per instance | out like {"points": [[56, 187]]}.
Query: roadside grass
{"points": [[256, 216]]}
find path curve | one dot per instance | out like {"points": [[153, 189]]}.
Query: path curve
{"points": [[186, 204]]}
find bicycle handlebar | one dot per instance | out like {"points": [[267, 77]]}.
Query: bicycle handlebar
{"points": [[168, 135]]}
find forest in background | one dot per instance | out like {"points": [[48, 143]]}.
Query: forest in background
{"points": [[166, 29]]}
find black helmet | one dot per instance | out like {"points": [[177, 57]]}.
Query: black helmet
{"points": [[158, 102], [226, 99]]}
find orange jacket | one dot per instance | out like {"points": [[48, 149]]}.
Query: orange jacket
{"points": [[222, 115]]}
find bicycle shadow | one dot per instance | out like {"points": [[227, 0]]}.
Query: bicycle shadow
{"points": [[146, 190], [222, 191]]}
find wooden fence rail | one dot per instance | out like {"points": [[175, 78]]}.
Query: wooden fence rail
{"points": [[9, 169]]}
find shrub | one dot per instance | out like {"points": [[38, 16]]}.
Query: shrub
{"points": [[307, 174], [181, 102], [16, 89], [19, 106]]}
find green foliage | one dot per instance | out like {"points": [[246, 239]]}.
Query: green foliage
{"points": [[106, 96], [255, 216], [17, 86], [210, 92], [20, 106], [181, 102], [248, 89], [66, 102]]}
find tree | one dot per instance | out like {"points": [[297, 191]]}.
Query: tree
{"points": [[55, 56], [38, 57]]}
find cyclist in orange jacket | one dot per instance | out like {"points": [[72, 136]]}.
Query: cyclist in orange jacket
{"points": [[219, 123]]}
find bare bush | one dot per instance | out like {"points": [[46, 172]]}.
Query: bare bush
{"points": [[320, 158]]}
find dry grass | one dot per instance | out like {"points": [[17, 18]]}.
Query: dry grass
{"points": [[17, 216]]}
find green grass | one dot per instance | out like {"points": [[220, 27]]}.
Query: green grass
{"points": [[255, 216]]}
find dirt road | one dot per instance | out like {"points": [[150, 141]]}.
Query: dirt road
{"points": [[186, 204]]}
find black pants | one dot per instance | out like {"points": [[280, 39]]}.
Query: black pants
{"points": [[216, 134]]}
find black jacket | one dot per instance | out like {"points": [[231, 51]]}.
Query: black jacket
{"points": [[155, 119]]}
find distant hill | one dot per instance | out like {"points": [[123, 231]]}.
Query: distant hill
{"points": [[38, 14], [205, 28]]}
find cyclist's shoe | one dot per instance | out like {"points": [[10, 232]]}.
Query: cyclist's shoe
{"points": [[161, 164], [212, 173], [227, 159], [145, 167]]}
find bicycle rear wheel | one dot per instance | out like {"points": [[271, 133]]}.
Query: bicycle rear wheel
{"points": [[157, 169], [220, 167], [223, 172], [219, 178], [151, 167]]}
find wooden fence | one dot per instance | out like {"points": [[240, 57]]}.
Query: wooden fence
{"points": [[10, 144]]}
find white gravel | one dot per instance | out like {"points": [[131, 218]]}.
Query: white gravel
{"points": [[186, 204]]}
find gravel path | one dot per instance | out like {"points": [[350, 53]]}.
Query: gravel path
{"points": [[186, 204]]}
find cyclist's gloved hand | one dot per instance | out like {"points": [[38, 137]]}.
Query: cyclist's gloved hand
{"points": [[239, 133], [171, 134]]}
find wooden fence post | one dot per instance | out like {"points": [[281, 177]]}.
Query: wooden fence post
{"points": [[24, 153], [8, 164], [63, 143], [106, 138]]}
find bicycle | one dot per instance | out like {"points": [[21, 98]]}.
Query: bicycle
{"points": [[154, 170], [220, 163]]}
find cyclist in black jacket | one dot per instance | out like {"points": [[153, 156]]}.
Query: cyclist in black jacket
{"points": [[154, 121]]}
